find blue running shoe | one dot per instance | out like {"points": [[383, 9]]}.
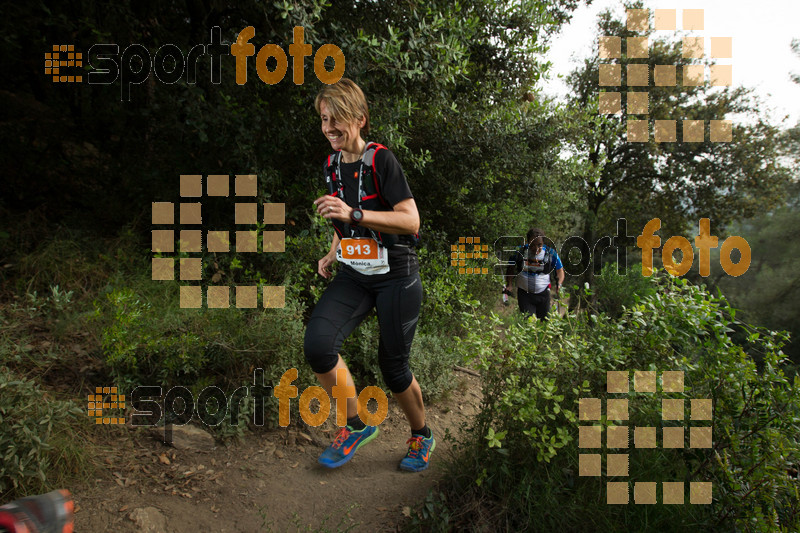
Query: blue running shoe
{"points": [[419, 451], [345, 444]]}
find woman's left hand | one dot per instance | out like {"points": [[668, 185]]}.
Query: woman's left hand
{"points": [[331, 207]]}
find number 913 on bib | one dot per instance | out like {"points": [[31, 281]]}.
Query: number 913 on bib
{"points": [[363, 254]]}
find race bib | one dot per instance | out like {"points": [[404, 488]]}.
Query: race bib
{"points": [[364, 255], [535, 266]]}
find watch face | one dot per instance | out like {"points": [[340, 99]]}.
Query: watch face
{"points": [[357, 214]]}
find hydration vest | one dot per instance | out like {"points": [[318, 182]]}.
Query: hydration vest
{"points": [[369, 197], [548, 262]]}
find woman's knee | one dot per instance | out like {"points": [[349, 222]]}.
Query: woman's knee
{"points": [[319, 349], [396, 374]]}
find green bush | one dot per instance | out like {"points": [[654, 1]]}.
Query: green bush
{"points": [[300, 266], [615, 291], [39, 437], [79, 262], [432, 360], [518, 469], [147, 339], [138, 344], [447, 295], [145, 335]]}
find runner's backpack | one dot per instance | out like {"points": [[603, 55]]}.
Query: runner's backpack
{"points": [[524, 252], [370, 197]]}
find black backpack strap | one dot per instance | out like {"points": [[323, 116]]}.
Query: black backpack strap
{"points": [[331, 179], [519, 258], [334, 185], [549, 261]]}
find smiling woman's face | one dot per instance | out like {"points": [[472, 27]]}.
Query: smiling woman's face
{"points": [[342, 136]]}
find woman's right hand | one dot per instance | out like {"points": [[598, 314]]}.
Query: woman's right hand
{"points": [[324, 265]]}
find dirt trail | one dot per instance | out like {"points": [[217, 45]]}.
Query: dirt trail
{"points": [[268, 481]]}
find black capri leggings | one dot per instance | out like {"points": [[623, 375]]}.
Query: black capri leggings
{"points": [[345, 304]]}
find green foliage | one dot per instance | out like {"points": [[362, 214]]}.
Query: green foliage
{"points": [[769, 292], [432, 360], [300, 266], [148, 340], [36, 306], [137, 346], [39, 437], [65, 265], [634, 180], [615, 291], [444, 81], [678, 182], [447, 295], [518, 469]]}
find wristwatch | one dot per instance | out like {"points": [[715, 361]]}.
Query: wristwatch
{"points": [[356, 216]]}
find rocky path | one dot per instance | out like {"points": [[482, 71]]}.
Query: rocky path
{"points": [[266, 482]]}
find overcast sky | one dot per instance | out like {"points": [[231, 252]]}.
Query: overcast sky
{"points": [[762, 33]]}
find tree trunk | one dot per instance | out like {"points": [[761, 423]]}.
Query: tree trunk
{"points": [[589, 237]]}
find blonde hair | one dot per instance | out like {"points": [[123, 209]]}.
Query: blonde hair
{"points": [[346, 102]]}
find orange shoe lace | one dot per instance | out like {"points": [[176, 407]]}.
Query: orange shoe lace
{"points": [[414, 446], [341, 436]]}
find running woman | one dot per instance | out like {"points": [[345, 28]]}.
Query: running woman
{"points": [[375, 222]]}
